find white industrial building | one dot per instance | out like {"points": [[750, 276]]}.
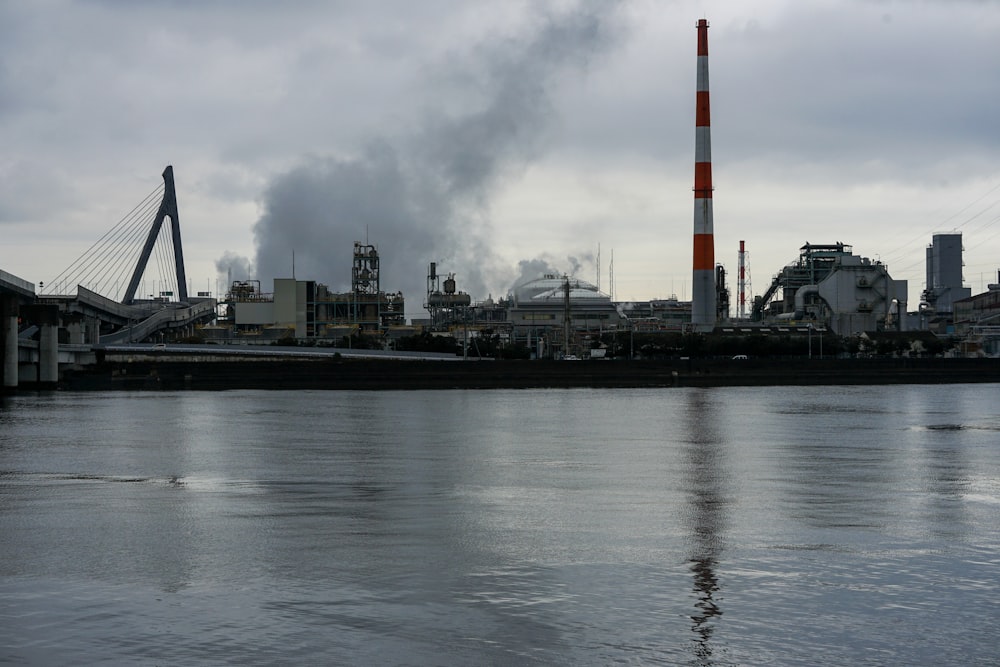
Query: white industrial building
{"points": [[559, 311], [831, 285]]}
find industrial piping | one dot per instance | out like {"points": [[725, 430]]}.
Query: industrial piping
{"points": [[703, 289]]}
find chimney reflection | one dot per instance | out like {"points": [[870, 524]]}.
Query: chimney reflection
{"points": [[705, 586], [705, 515]]}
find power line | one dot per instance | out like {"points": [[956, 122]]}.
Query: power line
{"points": [[904, 249]]}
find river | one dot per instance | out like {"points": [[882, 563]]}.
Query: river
{"points": [[849, 525]]}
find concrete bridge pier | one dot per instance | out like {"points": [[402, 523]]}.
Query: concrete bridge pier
{"points": [[82, 330], [47, 319], [48, 355], [93, 336], [8, 314]]}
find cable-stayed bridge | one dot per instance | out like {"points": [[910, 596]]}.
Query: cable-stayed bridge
{"points": [[118, 263], [97, 299]]}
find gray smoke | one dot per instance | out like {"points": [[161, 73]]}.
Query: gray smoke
{"points": [[320, 208], [426, 197], [576, 264], [531, 269], [234, 266]]}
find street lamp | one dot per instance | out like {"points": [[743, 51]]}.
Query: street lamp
{"points": [[810, 328]]}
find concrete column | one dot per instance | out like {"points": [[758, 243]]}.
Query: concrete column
{"points": [[75, 329], [9, 345], [48, 355]]}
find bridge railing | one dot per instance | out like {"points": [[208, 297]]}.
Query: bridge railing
{"points": [[161, 319], [107, 305]]}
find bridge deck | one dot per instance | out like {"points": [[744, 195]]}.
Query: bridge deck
{"points": [[11, 283]]}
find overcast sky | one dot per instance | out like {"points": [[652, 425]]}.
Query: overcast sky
{"points": [[500, 138]]}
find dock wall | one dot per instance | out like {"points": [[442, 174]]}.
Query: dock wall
{"points": [[388, 375]]}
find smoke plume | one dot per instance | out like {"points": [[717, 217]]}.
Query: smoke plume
{"points": [[426, 196], [531, 269], [232, 266]]}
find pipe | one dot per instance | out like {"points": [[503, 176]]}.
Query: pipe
{"points": [[800, 296]]}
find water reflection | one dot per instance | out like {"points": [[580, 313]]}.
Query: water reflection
{"points": [[947, 482], [947, 476], [833, 484], [706, 515], [545, 527]]}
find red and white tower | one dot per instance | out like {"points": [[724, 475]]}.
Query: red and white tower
{"points": [[743, 281], [703, 289]]}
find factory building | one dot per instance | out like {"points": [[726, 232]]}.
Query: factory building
{"points": [[657, 314], [553, 300], [944, 283], [555, 314], [830, 285], [559, 311], [306, 309], [978, 319], [446, 305]]}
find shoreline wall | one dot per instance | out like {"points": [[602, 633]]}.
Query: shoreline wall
{"points": [[408, 375]]}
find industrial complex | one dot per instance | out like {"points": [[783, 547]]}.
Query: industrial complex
{"points": [[825, 290], [305, 309]]}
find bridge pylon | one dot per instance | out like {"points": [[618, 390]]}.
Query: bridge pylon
{"points": [[168, 209]]}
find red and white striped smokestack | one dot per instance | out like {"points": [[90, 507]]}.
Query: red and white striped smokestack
{"points": [[743, 280], [703, 291]]}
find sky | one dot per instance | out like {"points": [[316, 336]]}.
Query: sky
{"points": [[499, 139]]}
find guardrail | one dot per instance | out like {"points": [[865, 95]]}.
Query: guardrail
{"points": [[160, 319], [94, 299]]}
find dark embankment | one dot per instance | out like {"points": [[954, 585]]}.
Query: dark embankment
{"points": [[379, 374]]}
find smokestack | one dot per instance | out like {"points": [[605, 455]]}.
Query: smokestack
{"points": [[703, 289], [743, 281]]}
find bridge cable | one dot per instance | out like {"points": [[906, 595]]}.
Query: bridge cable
{"points": [[124, 222], [165, 263], [114, 249], [120, 260], [86, 258], [126, 264]]}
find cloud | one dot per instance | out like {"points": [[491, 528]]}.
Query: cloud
{"points": [[515, 130]]}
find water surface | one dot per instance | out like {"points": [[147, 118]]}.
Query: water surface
{"points": [[724, 526]]}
